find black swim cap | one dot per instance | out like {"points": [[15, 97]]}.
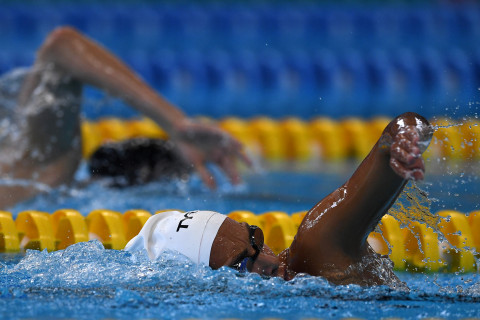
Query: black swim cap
{"points": [[138, 161]]}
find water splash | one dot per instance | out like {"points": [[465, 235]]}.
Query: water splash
{"points": [[11, 182], [414, 204], [85, 281]]}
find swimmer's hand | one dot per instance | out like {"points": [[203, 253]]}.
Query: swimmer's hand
{"points": [[199, 143], [406, 150]]}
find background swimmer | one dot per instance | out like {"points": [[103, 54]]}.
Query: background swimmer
{"points": [[332, 239], [40, 133], [137, 161]]}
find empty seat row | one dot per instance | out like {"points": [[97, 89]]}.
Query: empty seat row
{"points": [[219, 84], [246, 84], [254, 25]]}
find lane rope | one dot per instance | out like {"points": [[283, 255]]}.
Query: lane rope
{"points": [[293, 139], [413, 248]]}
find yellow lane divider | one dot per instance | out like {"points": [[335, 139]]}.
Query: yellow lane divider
{"points": [[35, 230], [133, 221], [9, 236], [457, 231], [422, 248], [390, 241], [415, 247], [293, 139], [69, 227], [107, 226]]}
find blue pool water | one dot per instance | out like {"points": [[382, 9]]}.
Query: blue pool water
{"points": [[290, 189], [85, 281]]}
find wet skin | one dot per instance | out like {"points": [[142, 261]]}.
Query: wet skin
{"points": [[333, 235], [232, 245]]}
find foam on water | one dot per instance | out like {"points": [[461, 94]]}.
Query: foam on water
{"points": [[87, 281]]}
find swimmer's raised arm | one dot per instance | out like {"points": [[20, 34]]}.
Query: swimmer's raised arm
{"points": [[81, 58], [334, 232], [77, 57]]}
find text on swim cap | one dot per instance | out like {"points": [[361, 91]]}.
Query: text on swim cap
{"points": [[187, 217]]}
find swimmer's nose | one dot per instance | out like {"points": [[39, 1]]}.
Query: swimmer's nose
{"points": [[269, 271], [265, 268]]}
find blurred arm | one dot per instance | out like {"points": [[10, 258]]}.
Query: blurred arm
{"points": [[74, 56], [81, 58]]}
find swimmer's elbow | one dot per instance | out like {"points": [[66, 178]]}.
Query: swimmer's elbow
{"points": [[413, 118], [63, 33], [57, 37], [424, 127], [410, 119]]}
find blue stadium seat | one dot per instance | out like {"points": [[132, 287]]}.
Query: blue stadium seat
{"points": [[163, 68], [290, 27], [434, 82], [190, 83], [366, 29], [247, 85], [466, 25], [328, 83], [340, 29], [25, 21], [460, 78], [147, 30], [302, 93], [356, 84], [220, 82], [317, 25], [274, 100], [75, 16], [124, 23], [382, 82], [388, 32], [407, 80], [139, 61], [416, 27]]}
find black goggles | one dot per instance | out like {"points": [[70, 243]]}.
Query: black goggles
{"points": [[256, 241], [255, 235]]}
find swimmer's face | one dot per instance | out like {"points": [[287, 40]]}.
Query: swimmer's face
{"points": [[266, 264], [239, 242]]}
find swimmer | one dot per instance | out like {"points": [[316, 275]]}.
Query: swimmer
{"points": [[40, 119], [331, 241], [137, 161]]}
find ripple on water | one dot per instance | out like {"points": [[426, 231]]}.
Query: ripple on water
{"points": [[86, 279]]}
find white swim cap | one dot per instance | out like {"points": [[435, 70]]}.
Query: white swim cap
{"points": [[190, 233]]}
